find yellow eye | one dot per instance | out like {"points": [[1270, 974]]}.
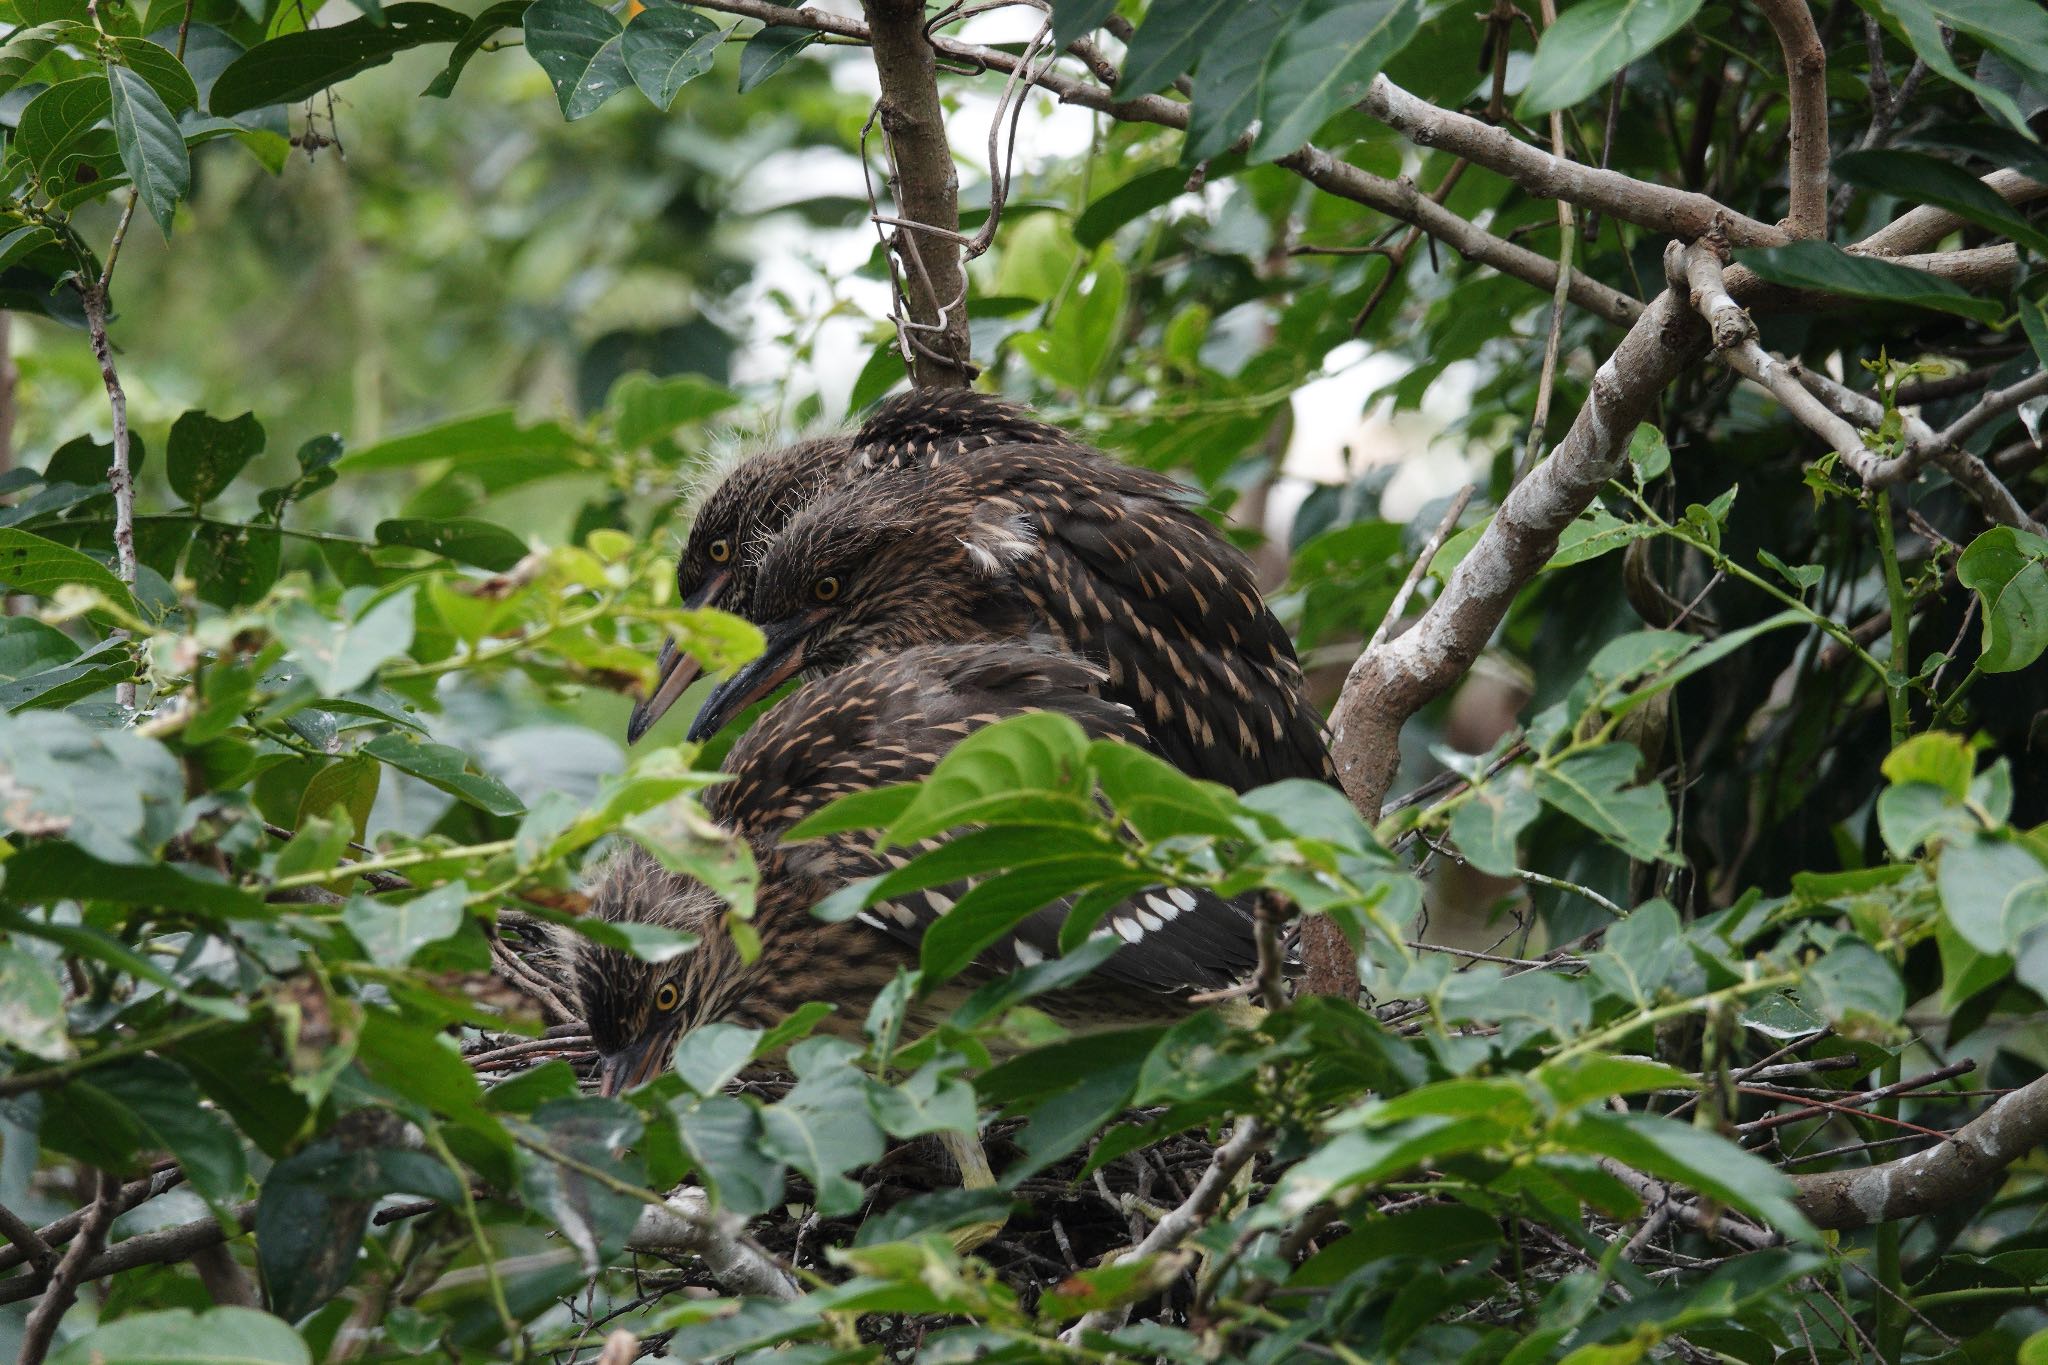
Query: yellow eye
{"points": [[825, 589], [667, 998], [719, 550]]}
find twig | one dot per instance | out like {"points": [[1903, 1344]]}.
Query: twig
{"points": [[1446, 524], [71, 1271], [1806, 76], [1539, 420], [93, 295], [61, 1230], [165, 1246], [33, 1248]]}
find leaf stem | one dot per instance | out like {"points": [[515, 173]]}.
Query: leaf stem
{"points": [[513, 1335], [490, 654], [1621, 1028], [412, 857], [1898, 672]]}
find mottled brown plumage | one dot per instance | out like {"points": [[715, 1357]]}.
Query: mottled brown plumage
{"points": [[757, 496], [1009, 541], [883, 721]]}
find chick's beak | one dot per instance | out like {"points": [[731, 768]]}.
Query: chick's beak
{"points": [[676, 670], [635, 1064], [782, 655]]}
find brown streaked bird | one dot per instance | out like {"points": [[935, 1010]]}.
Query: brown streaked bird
{"points": [[882, 721], [1013, 542], [755, 497]]}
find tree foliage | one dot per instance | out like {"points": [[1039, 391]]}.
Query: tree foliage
{"points": [[1680, 999]]}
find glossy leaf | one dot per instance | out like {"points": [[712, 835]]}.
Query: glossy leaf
{"points": [[768, 51], [2008, 570], [447, 768], [295, 66], [580, 47], [205, 454], [1816, 265], [1323, 63], [464, 539], [1593, 40], [666, 48]]}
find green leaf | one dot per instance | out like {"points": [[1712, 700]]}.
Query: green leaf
{"points": [[592, 1215], [1073, 18], [1585, 1079], [1693, 1157], [1593, 533], [1923, 179], [1649, 454], [711, 1055], [1367, 1157], [341, 656], [1166, 45], [59, 116], [1641, 953], [1590, 42], [666, 48], [1323, 63], [113, 793], [164, 1102], [503, 15], [1487, 825], [23, 52], [177, 1336], [1816, 265], [1229, 91], [823, 1127], [350, 783], [296, 66], [1856, 990], [392, 931], [2008, 570], [578, 45], [1993, 892], [31, 564], [234, 566], [157, 64], [31, 1007], [2017, 32], [768, 51], [1593, 788], [724, 1139], [1937, 758], [1025, 769], [486, 439], [464, 539], [446, 768], [645, 409], [205, 454], [105, 664]]}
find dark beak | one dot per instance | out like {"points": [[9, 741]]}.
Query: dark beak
{"points": [[781, 656], [675, 671], [634, 1065]]}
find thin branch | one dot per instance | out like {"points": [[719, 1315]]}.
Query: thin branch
{"points": [[1186, 1220], [1920, 229], [166, 1246], [1546, 384], [120, 480], [1806, 74], [33, 1248], [73, 1270], [688, 1223], [61, 1230], [1938, 1178], [1446, 524]]}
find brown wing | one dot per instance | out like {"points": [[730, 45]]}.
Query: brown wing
{"points": [[890, 720], [911, 428], [1128, 573]]}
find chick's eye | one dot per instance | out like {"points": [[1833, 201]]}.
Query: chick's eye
{"points": [[720, 551], [668, 997], [825, 589]]}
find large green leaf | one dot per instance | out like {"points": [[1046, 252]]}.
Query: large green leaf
{"points": [[446, 768], [1590, 42], [1028, 769], [58, 117], [464, 539], [33, 564], [178, 1336], [479, 442], [1493, 817], [159, 66], [486, 26], [592, 1215], [1994, 891], [645, 409], [1695, 1158], [205, 454], [1324, 61], [768, 51], [296, 66], [114, 794], [392, 931], [2008, 570], [1816, 265], [105, 664], [580, 47], [1167, 44], [1924, 179], [1229, 91], [666, 47], [1073, 18], [341, 655], [23, 52], [2017, 32], [1595, 789]]}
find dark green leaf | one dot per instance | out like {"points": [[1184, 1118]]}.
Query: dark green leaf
{"points": [[464, 539], [579, 46], [1590, 42], [724, 1139], [1594, 788], [156, 64], [503, 15], [205, 454], [2018, 32], [1816, 265], [645, 409], [446, 768], [1168, 42], [1073, 18], [594, 1216], [1229, 91], [100, 667], [177, 1336], [315, 1207], [768, 51], [1923, 179], [59, 117], [296, 66], [668, 47], [1696, 1158], [1324, 61], [234, 566]]}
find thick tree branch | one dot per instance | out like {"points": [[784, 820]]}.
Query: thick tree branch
{"points": [[1920, 229], [1806, 76], [926, 188], [1389, 684], [1680, 213], [1935, 1179]]}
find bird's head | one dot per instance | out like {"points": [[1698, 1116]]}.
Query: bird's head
{"points": [[637, 1010], [733, 524], [880, 565]]}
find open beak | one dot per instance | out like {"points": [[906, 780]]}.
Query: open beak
{"points": [[634, 1065], [780, 658], [675, 671]]}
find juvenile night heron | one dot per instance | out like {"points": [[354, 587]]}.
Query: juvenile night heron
{"points": [[749, 502], [1019, 541], [882, 721]]}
